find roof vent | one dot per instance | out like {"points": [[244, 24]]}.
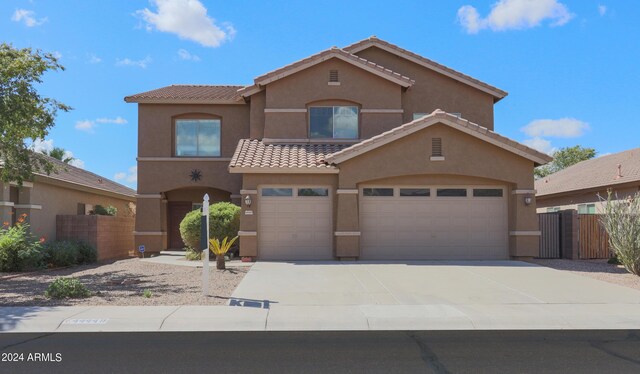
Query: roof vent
{"points": [[436, 147], [333, 76], [619, 172]]}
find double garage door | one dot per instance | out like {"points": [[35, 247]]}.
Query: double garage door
{"points": [[396, 223], [424, 223]]}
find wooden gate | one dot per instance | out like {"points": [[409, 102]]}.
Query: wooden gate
{"points": [[592, 239], [550, 235]]}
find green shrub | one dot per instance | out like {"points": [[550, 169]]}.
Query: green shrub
{"points": [[105, 211], [67, 288], [18, 250], [68, 253], [147, 294], [224, 221]]}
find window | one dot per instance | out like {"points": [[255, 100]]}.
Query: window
{"points": [[313, 192], [377, 191], [586, 208], [487, 192], [553, 209], [419, 115], [415, 192], [278, 192], [337, 122], [459, 115], [196, 206], [436, 147], [452, 192], [198, 137]]}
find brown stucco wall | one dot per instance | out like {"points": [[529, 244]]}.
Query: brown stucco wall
{"points": [[112, 237], [57, 200], [433, 91], [156, 126], [256, 122], [571, 200], [357, 87]]}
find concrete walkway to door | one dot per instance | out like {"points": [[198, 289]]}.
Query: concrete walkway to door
{"points": [[435, 295]]}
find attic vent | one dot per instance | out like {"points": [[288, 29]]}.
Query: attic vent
{"points": [[333, 76], [436, 147]]}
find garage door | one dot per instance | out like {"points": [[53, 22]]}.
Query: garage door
{"points": [[295, 223], [424, 223]]}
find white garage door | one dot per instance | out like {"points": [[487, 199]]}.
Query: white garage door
{"points": [[424, 223], [295, 223]]}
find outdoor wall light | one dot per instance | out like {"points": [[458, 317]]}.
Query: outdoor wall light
{"points": [[247, 201], [528, 200]]}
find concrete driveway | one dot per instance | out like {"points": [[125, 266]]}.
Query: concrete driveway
{"points": [[435, 294]]}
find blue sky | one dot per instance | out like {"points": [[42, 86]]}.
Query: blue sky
{"points": [[571, 67]]}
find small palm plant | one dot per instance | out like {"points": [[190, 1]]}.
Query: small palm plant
{"points": [[220, 249]]}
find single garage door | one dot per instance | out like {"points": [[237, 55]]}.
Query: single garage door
{"points": [[428, 223], [295, 223]]}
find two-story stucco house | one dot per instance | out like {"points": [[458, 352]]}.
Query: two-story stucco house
{"points": [[364, 152]]}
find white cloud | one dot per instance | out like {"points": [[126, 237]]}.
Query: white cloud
{"points": [[514, 14], [558, 128], [57, 55], [42, 146], [540, 144], [188, 19], [28, 17], [85, 125], [602, 9], [93, 59], [118, 120], [137, 63], [186, 55], [130, 176]]}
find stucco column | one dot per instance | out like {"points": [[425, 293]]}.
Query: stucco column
{"points": [[347, 232], [524, 233], [150, 223], [248, 223]]}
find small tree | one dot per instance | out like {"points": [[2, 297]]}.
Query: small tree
{"points": [[621, 220], [24, 114], [563, 158], [59, 154], [220, 249]]}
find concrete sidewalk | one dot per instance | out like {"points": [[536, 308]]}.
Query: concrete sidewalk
{"points": [[354, 317]]}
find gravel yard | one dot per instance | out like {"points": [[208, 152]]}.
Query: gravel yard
{"points": [[597, 269], [123, 283]]}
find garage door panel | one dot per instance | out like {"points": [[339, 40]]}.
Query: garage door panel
{"points": [[433, 227], [295, 228]]}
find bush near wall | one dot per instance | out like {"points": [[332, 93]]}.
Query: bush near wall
{"points": [[68, 253], [19, 251], [224, 221]]}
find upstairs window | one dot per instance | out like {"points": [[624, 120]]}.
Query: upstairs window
{"points": [[198, 137], [333, 122]]}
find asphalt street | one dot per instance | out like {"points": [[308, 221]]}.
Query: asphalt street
{"points": [[324, 352]]}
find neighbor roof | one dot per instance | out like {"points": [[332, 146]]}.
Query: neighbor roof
{"points": [[73, 175], [416, 58], [598, 172], [190, 94], [333, 52], [256, 156], [439, 116]]}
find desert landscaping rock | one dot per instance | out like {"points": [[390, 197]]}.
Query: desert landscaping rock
{"points": [[596, 269], [123, 283]]}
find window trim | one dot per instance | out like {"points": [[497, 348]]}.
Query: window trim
{"points": [[194, 116], [358, 110]]}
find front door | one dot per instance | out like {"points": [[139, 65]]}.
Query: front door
{"points": [[176, 212]]}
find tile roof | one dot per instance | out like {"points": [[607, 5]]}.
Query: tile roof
{"points": [[302, 157], [190, 93], [325, 55], [374, 41], [71, 174], [439, 116], [598, 172]]}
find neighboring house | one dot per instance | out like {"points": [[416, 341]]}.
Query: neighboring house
{"points": [[68, 190], [581, 186], [356, 152]]}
